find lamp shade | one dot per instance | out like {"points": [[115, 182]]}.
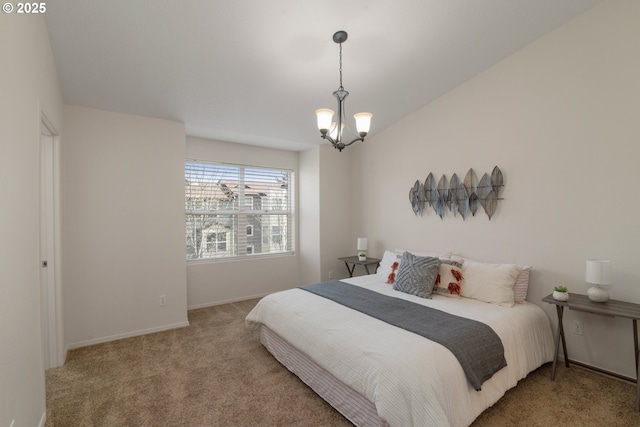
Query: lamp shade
{"points": [[324, 116], [362, 243], [363, 122], [598, 272]]}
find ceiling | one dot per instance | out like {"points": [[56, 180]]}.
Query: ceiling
{"points": [[254, 71]]}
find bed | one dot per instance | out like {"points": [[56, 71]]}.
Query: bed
{"points": [[377, 374]]}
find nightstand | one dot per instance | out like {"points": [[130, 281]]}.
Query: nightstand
{"points": [[352, 261], [611, 308]]}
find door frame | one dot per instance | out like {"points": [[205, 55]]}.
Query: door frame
{"points": [[51, 302]]}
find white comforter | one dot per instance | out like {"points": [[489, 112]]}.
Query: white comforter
{"points": [[412, 381]]}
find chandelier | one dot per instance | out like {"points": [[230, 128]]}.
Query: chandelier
{"points": [[334, 131]]}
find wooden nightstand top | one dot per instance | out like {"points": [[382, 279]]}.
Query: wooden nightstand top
{"points": [[355, 260], [612, 307]]}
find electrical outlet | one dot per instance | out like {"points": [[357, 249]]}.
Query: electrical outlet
{"points": [[330, 275], [577, 327], [163, 300]]}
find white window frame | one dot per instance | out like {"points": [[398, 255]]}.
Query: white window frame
{"points": [[242, 237]]}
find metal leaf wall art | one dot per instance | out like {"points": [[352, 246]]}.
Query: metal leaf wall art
{"points": [[459, 197]]}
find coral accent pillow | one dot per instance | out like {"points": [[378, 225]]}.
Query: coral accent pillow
{"points": [[449, 280], [384, 268], [392, 276]]}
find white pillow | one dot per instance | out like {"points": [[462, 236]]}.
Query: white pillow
{"points": [[520, 288], [491, 283]]}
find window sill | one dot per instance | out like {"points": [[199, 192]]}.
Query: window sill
{"points": [[239, 258]]}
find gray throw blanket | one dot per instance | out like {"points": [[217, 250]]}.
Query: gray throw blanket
{"points": [[477, 347]]}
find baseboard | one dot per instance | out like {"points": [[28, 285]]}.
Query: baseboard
{"points": [[227, 301], [126, 335], [596, 369], [160, 328]]}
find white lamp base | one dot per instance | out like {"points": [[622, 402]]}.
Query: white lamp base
{"points": [[597, 294]]}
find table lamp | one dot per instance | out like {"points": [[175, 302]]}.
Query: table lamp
{"points": [[362, 248], [598, 274]]}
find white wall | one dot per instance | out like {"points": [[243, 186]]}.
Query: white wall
{"points": [[336, 230], [29, 87], [309, 209], [325, 222], [560, 118], [122, 179], [217, 282]]}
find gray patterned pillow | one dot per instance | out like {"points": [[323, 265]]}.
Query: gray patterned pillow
{"points": [[417, 275]]}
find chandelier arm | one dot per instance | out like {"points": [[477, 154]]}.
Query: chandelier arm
{"points": [[328, 138], [355, 140], [335, 144]]}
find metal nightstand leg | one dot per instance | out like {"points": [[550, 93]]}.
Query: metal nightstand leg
{"points": [[635, 344], [559, 336], [350, 270]]}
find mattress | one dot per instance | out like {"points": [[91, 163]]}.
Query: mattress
{"points": [[355, 407], [409, 380]]}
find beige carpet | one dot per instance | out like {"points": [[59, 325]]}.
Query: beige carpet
{"points": [[216, 373]]}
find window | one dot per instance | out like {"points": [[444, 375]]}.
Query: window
{"points": [[216, 242], [237, 211]]}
